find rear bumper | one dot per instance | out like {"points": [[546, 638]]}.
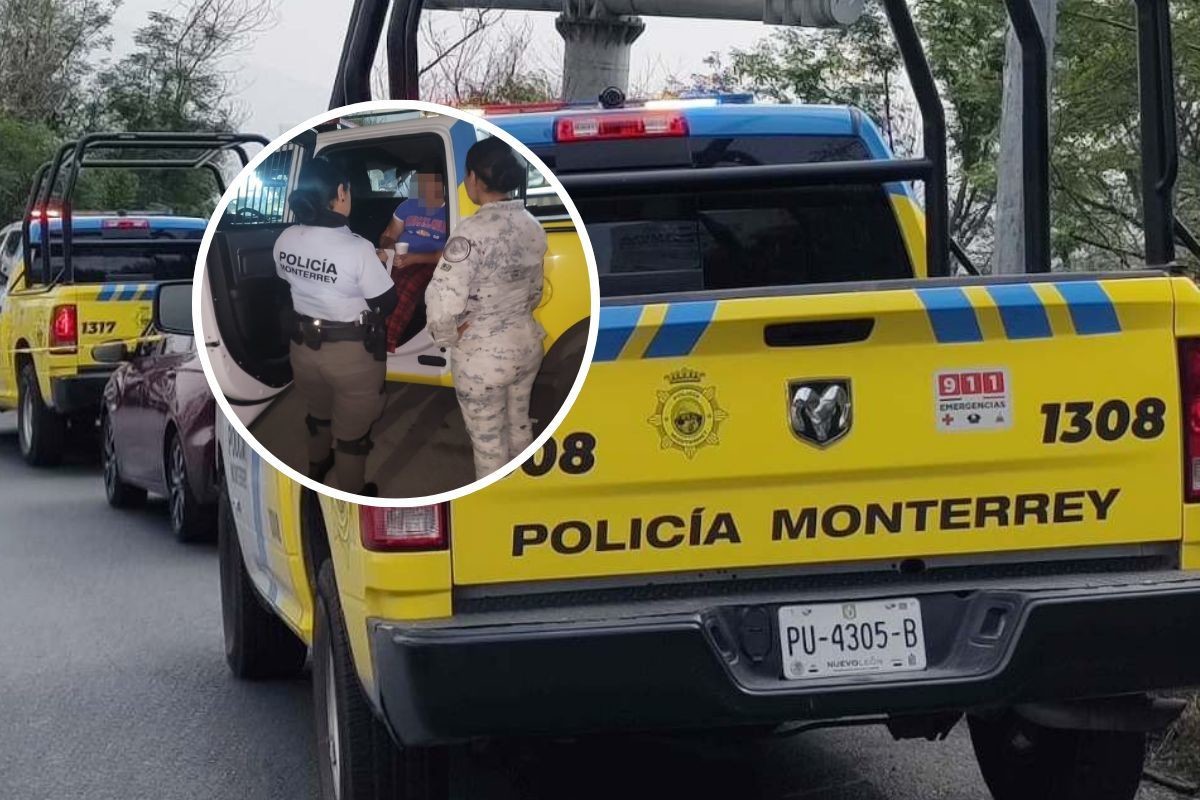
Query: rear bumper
{"points": [[649, 667], [82, 392]]}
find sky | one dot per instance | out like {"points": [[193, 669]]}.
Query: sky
{"points": [[285, 76]]}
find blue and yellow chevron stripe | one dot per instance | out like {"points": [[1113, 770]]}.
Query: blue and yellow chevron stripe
{"points": [[666, 330], [126, 291], [675, 334], [954, 317]]}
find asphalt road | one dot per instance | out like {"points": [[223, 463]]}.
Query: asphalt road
{"points": [[113, 685]]}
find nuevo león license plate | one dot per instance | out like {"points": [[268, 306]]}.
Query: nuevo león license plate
{"points": [[868, 637]]}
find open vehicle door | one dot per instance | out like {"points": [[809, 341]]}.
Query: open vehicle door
{"points": [[243, 332], [383, 161]]}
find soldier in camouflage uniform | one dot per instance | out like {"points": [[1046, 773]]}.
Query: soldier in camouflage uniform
{"points": [[480, 304]]}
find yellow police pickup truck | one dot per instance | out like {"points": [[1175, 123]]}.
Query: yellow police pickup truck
{"points": [[48, 327], [76, 280], [802, 482]]}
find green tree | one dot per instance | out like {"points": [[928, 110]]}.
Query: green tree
{"points": [[1095, 157], [26, 145], [174, 80], [1095, 160], [860, 66]]}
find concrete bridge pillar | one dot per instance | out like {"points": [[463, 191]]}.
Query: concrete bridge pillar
{"points": [[596, 48]]}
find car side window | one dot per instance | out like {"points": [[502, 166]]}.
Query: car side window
{"points": [[261, 198], [541, 199]]}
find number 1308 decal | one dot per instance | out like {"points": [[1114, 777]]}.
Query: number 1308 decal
{"points": [[1071, 423]]}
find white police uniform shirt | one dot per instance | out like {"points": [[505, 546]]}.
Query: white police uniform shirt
{"points": [[331, 271]]}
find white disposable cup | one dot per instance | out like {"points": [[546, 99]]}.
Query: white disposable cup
{"points": [[401, 248]]}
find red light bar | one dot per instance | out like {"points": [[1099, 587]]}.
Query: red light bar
{"points": [[629, 125], [125, 224]]}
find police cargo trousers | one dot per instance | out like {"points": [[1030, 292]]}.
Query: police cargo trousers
{"points": [[342, 388], [493, 379]]}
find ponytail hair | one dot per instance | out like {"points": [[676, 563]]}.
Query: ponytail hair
{"points": [[495, 163], [316, 190]]}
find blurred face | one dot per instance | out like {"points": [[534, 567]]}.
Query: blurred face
{"points": [[431, 187]]}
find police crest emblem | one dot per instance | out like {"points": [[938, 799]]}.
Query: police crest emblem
{"points": [[687, 416]]}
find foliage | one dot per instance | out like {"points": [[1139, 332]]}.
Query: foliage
{"points": [[26, 145], [47, 56], [174, 80], [1096, 143], [858, 66], [1097, 140], [485, 61]]}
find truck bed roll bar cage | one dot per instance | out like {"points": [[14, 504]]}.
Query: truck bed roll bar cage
{"points": [[74, 156], [1160, 159]]}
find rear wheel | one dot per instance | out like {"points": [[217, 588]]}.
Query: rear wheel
{"points": [[190, 520], [257, 644], [1020, 760], [119, 493], [356, 757], [41, 432]]}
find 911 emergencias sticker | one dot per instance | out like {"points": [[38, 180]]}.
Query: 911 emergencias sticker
{"points": [[973, 400]]}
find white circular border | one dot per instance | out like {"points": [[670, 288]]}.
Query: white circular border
{"points": [[389, 106]]}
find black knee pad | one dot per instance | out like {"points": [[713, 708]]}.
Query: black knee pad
{"points": [[317, 470], [355, 447], [313, 424]]}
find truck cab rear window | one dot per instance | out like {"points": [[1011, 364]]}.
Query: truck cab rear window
{"points": [[161, 260], [698, 241], [731, 240]]}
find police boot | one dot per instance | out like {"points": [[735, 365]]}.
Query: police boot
{"points": [[320, 447], [351, 464]]}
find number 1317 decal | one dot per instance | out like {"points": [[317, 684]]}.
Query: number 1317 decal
{"points": [[1071, 423]]}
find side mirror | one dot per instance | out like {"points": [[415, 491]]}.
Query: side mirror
{"points": [[110, 353], [173, 308]]}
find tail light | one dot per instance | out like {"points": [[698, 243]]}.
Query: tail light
{"points": [[631, 125], [417, 528], [1189, 379], [64, 326]]}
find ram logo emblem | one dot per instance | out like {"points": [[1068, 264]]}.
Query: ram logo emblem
{"points": [[819, 411]]}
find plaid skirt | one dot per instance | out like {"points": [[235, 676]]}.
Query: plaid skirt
{"points": [[410, 290]]}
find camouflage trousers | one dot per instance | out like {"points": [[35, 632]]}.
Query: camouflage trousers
{"points": [[493, 379]]}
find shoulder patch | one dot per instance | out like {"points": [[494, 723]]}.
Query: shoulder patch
{"points": [[457, 249]]}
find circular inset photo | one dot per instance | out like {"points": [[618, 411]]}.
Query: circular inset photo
{"points": [[397, 303]]}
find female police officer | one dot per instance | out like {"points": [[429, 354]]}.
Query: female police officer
{"points": [[480, 303], [340, 291]]}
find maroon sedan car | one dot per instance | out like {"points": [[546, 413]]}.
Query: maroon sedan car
{"points": [[158, 429]]}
